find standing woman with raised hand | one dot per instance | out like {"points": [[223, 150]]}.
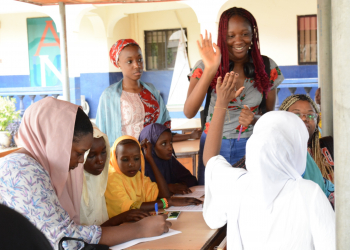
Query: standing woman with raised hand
{"points": [[238, 43]]}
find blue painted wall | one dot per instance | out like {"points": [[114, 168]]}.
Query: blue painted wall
{"points": [[302, 71], [14, 81], [92, 84]]}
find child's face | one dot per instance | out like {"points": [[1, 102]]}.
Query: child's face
{"points": [[130, 62], [129, 158], [164, 146], [96, 160], [304, 107]]}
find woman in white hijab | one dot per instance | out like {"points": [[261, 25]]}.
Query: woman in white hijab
{"points": [[93, 210], [269, 205]]}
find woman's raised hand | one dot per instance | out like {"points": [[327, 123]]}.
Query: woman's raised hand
{"points": [[210, 58], [226, 90]]}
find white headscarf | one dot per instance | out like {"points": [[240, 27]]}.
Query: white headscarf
{"points": [[93, 210], [276, 153]]}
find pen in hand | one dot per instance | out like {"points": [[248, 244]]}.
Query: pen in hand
{"points": [[240, 130], [156, 207]]}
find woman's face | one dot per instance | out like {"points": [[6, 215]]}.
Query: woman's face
{"points": [[164, 146], [239, 38], [130, 62], [304, 107], [129, 158], [79, 147], [96, 160]]}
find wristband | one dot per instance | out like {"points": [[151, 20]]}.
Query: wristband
{"points": [[165, 203], [228, 114]]}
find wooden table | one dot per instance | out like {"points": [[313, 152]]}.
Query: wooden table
{"points": [[190, 125], [195, 234], [189, 148]]}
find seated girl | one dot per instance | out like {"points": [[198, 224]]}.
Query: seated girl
{"points": [[93, 210], [54, 135], [179, 179], [319, 162], [269, 205], [319, 166], [128, 188]]}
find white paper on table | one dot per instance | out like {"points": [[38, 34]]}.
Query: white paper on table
{"points": [[194, 194], [197, 192], [191, 208], [136, 241]]}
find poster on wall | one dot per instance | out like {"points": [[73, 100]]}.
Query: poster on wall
{"points": [[44, 52]]}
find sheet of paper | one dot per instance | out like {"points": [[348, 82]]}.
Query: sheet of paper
{"points": [[136, 241], [197, 192], [192, 208]]}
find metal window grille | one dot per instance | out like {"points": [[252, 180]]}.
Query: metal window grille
{"points": [[160, 51], [307, 39]]}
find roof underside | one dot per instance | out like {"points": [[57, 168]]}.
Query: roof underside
{"points": [[55, 2]]}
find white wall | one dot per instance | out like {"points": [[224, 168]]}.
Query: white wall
{"points": [[134, 26], [92, 49], [14, 43], [277, 21]]}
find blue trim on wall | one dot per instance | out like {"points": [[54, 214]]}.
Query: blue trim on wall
{"points": [[14, 81], [301, 71], [181, 115], [114, 77], [93, 84]]}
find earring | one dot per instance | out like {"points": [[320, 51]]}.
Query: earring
{"points": [[251, 45]]}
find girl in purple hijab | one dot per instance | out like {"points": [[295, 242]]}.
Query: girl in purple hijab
{"points": [[179, 179]]}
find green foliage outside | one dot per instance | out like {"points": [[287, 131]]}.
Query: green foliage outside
{"points": [[8, 112]]}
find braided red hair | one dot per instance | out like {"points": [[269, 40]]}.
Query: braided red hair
{"points": [[262, 81]]}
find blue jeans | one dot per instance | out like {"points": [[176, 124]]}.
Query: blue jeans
{"points": [[231, 149]]}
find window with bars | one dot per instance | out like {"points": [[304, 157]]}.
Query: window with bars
{"points": [[307, 39], [160, 51]]}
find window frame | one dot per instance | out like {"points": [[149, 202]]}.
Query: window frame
{"points": [[298, 40], [145, 44]]}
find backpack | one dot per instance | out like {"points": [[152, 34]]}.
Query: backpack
{"points": [[262, 106]]}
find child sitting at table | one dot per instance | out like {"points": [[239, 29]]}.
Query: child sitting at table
{"points": [[269, 205], [93, 210], [128, 188], [178, 177]]}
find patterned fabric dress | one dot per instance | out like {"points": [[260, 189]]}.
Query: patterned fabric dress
{"points": [[250, 96], [26, 187], [138, 110]]}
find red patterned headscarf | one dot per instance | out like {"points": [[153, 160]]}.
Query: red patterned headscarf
{"points": [[117, 48]]}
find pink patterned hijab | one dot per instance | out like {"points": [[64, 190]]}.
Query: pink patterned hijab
{"points": [[117, 48], [46, 132]]}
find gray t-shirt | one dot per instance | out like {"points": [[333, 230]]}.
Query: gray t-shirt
{"points": [[250, 96]]}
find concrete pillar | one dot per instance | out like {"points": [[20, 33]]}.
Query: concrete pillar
{"points": [[341, 111], [63, 47], [324, 46]]}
